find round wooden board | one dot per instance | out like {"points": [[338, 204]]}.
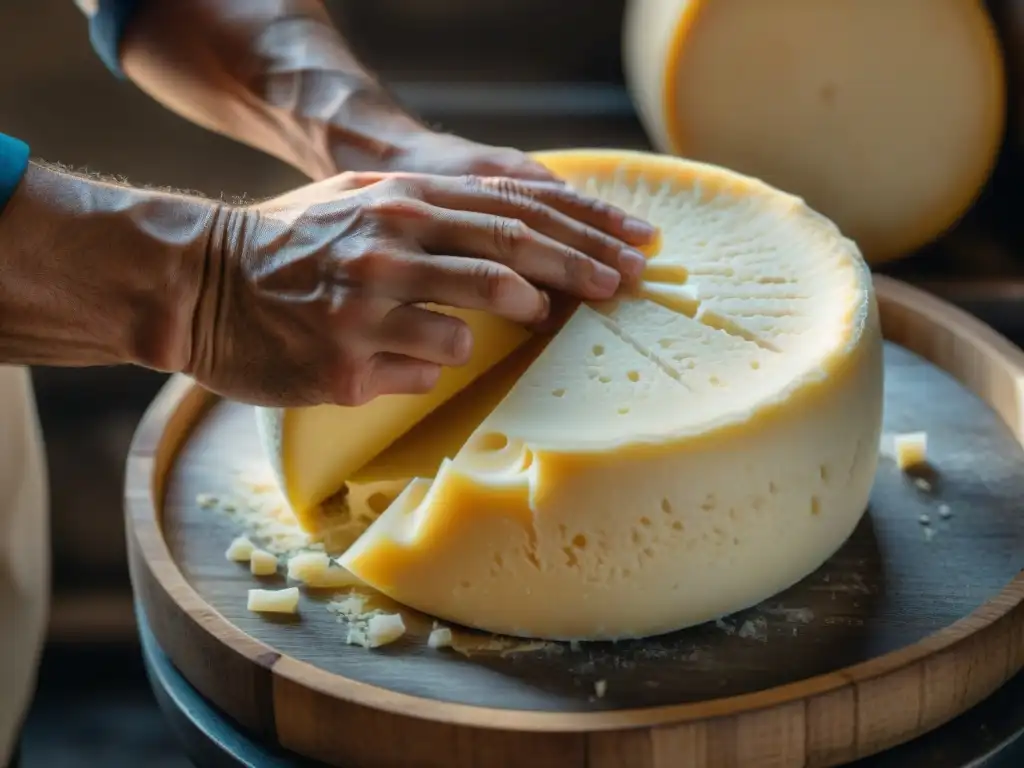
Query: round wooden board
{"points": [[897, 633]]}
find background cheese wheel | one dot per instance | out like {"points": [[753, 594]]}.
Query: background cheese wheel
{"points": [[885, 115], [672, 456]]}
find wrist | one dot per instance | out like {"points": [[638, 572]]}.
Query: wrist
{"points": [[98, 273]]}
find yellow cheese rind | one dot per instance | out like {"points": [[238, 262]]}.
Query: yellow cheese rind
{"points": [[662, 462], [314, 451], [886, 117]]}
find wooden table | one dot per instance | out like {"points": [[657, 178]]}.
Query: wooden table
{"points": [[990, 736]]}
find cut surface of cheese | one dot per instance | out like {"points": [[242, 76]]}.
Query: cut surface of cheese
{"points": [[314, 451], [886, 117], [686, 450]]}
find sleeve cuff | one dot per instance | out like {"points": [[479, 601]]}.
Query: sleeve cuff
{"points": [[13, 164], [106, 28]]}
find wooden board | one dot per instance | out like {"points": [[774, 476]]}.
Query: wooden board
{"points": [[895, 635]]}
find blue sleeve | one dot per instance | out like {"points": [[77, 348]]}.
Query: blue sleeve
{"points": [[107, 22], [13, 162]]}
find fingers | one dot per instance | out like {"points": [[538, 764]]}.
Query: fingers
{"points": [[425, 335], [509, 199], [455, 281], [384, 374], [537, 257]]}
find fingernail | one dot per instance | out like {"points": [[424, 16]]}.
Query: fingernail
{"points": [[545, 311], [632, 262], [638, 227], [605, 279]]}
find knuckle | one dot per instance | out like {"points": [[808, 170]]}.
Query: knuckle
{"points": [[391, 207], [459, 341], [368, 266], [494, 283], [353, 382], [508, 234], [579, 269]]}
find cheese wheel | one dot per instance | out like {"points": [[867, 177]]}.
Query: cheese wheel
{"points": [[686, 450], [885, 115]]}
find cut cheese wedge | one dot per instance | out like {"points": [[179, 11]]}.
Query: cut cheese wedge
{"points": [[314, 451], [674, 455], [885, 116]]}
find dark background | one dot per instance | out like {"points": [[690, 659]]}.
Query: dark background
{"points": [[530, 73]]}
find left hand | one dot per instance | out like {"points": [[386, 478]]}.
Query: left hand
{"points": [[444, 154]]}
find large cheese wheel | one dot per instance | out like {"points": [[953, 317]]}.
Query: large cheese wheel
{"points": [[681, 452], [885, 115]]}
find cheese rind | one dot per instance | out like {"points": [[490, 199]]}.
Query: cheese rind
{"points": [[673, 455], [885, 116]]}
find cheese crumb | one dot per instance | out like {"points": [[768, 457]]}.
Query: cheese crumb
{"points": [[929, 534], [274, 600], [440, 637], [262, 563], [922, 484], [924, 520], [945, 512], [240, 550], [380, 629], [316, 570], [911, 449], [600, 688], [206, 500]]}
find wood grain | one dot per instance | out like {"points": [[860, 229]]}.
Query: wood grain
{"points": [[892, 637]]}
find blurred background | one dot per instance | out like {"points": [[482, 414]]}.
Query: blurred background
{"points": [[503, 71]]}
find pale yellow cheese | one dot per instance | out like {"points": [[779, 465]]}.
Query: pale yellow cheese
{"points": [[315, 569], [314, 451], [240, 549], [440, 637], [885, 115], [672, 456], [911, 449], [274, 600], [262, 563], [379, 629]]}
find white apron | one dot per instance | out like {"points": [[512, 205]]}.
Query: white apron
{"points": [[24, 551]]}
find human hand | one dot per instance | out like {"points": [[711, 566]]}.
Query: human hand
{"points": [[312, 297], [449, 155]]}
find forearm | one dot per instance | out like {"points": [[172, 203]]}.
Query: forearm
{"points": [[275, 74], [93, 273]]}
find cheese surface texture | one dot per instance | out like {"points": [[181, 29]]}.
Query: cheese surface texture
{"points": [[686, 450], [885, 116]]}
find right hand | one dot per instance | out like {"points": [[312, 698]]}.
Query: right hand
{"points": [[312, 297]]}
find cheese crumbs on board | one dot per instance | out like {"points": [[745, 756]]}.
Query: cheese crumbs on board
{"points": [[911, 449], [315, 569], [262, 563], [240, 549], [274, 600]]}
